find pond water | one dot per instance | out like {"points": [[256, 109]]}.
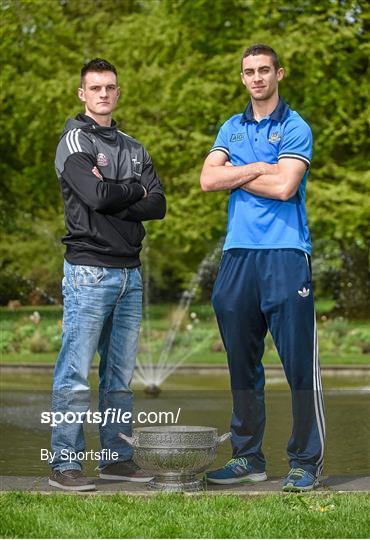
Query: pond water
{"points": [[202, 400]]}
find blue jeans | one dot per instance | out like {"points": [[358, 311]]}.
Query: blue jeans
{"points": [[102, 312]]}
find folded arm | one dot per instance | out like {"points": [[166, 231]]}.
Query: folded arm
{"points": [[216, 176], [103, 197], [153, 205], [282, 183]]}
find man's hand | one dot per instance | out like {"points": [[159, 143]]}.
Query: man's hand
{"points": [[96, 172], [280, 182], [215, 176]]}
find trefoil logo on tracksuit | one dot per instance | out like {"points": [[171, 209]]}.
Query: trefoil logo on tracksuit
{"points": [[304, 292]]}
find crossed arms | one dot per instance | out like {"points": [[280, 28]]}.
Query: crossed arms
{"points": [[131, 201], [279, 181], [145, 201]]}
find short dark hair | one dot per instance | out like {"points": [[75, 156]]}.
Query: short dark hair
{"points": [[98, 64], [261, 48]]}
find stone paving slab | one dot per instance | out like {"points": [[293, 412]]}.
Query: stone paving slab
{"points": [[328, 484]]}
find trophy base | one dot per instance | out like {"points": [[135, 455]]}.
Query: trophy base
{"points": [[176, 483]]}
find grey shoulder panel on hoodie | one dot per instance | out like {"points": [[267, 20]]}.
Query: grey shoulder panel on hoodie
{"points": [[73, 140]]}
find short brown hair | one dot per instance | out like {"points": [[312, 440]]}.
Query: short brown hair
{"points": [[261, 48], [98, 64]]}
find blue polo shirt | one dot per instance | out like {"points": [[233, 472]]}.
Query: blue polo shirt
{"points": [[259, 222]]}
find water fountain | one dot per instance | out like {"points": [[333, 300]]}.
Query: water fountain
{"points": [[155, 369], [152, 373]]}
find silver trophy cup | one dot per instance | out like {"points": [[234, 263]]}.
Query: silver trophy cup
{"points": [[175, 454]]}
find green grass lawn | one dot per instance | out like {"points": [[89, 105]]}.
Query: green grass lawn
{"points": [[25, 515], [197, 341]]}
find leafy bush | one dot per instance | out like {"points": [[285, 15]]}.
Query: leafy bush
{"points": [[7, 340], [39, 343]]}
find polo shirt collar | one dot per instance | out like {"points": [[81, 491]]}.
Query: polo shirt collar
{"points": [[277, 114]]}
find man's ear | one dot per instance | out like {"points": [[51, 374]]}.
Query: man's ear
{"points": [[81, 94], [280, 74]]}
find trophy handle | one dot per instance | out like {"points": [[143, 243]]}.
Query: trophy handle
{"points": [[223, 438], [129, 440]]}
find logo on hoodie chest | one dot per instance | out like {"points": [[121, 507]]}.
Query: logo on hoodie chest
{"points": [[102, 160]]}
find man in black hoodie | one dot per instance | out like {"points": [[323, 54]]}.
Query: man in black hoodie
{"points": [[109, 186]]}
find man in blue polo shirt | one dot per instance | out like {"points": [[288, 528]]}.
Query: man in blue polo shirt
{"points": [[264, 280]]}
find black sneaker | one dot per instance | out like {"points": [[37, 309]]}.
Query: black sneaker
{"points": [[70, 480], [124, 470]]}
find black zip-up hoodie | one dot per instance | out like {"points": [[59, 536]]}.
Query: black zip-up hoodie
{"points": [[103, 217]]}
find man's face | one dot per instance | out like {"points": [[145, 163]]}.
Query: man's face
{"points": [[260, 77], [100, 92]]}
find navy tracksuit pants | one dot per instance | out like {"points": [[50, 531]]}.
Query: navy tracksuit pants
{"points": [[270, 289]]}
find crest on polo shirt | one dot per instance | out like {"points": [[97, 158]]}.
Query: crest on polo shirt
{"points": [[275, 137], [102, 160], [237, 137]]}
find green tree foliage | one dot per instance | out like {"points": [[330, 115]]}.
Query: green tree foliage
{"points": [[179, 73]]}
